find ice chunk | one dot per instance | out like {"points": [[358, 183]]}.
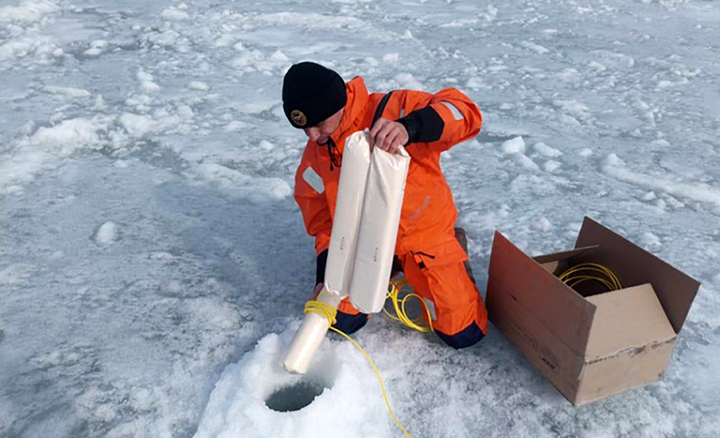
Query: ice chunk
{"points": [[15, 274], [96, 48], [224, 40], [174, 14], [240, 186], [200, 86], [537, 48], [67, 91], [146, 81], [185, 112], [650, 240], [546, 150], [235, 125], [700, 192], [391, 57], [543, 224], [27, 12], [137, 125], [107, 234], [515, 145], [526, 162], [406, 80], [551, 166]]}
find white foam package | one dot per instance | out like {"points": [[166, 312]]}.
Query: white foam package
{"points": [[348, 213], [341, 252], [378, 229], [362, 242]]}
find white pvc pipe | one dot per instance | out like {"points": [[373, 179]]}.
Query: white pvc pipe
{"points": [[309, 337], [378, 229]]}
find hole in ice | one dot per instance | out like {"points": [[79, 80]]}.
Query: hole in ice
{"points": [[295, 397]]}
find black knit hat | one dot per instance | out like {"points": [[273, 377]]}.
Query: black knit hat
{"points": [[312, 93]]}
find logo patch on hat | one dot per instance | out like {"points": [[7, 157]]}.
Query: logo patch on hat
{"points": [[298, 117]]}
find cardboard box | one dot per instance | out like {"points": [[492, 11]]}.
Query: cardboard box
{"points": [[590, 344]]}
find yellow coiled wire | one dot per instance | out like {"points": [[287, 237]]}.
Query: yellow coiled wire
{"points": [[399, 306], [589, 272]]}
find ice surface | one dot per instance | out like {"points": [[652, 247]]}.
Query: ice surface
{"points": [[150, 248]]}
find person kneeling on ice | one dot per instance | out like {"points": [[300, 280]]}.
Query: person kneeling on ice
{"points": [[318, 101]]}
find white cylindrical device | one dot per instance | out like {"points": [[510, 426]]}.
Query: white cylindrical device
{"points": [[309, 336], [378, 229], [362, 242], [341, 252], [348, 210]]}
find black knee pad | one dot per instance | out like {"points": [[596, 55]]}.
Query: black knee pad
{"points": [[348, 324], [467, 337]]}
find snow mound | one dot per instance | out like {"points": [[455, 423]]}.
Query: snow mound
{"points": [[197, 85], [69, 135], [107, 233], [700, 192], [256, 397], [175, 14], [67, 91], [239, 186], [15, 274], [546, 150], [513, 146], [48, 146], [27, 12]]}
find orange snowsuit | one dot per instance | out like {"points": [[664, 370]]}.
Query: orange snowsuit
{"points": [[431, 257]]}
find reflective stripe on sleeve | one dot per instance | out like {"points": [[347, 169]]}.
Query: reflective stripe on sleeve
{"points": [[453, 109], [313, 179]]}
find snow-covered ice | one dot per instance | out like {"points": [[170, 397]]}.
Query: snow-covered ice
{"points": [[337, 389], [153, 262]]}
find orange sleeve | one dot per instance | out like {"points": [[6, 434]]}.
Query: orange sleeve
{"points": [[310, 197], [461, 118]]}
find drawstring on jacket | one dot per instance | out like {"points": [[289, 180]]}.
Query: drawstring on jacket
{"points": [[335, 156]]}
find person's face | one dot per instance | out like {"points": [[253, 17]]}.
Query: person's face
{"points": [[321, 132]]}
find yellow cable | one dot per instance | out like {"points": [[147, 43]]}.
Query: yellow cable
{"points": [[574, 281], [399, 306], [329, 312], [585, 272], [595, 268]]}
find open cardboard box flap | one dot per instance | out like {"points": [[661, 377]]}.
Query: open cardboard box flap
{"points": [[634, 266], [626, 319]]}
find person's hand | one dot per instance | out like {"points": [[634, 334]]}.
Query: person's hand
{"points": [[388, 135], [316, 291]]}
